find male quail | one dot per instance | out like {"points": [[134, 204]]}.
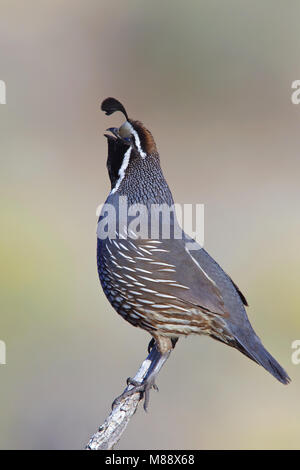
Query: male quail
{"points": [[157, 283]]}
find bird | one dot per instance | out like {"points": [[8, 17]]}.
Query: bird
{"points": [[158, 283]]}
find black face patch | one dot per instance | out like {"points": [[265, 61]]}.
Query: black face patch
{"points": [[116, 151]]}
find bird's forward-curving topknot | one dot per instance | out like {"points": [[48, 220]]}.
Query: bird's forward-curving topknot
{"points": [[111, 105]]}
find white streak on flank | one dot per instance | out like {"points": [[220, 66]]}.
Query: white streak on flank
{"points": [[146, 251], [168, 270], [169, 281], [177, 308], [141, 254], [197, 264], [161, 306], [169, 321], [124, 247], [160, 249], [148, 290], [124, 256], [166, 296], [133, 245], [179, 285], [138, 252], [129, 269], [162, 264], [135, 292], [148, 246], [138, 313], [122, 170], [143, 271], [108, 250], [144, 301], [130, 277], [116, 264]]}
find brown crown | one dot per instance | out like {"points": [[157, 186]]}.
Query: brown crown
{"points": [[146, 138]]}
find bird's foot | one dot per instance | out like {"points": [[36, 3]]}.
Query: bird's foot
{"points": [[138, 387]]}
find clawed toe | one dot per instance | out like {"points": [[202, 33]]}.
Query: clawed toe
{"points": [[156, 359], [137, 387]]}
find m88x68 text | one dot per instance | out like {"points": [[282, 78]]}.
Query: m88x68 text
{"points": [[170, 459]]}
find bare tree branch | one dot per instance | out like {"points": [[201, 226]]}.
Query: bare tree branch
{"points": [[115, 424]]}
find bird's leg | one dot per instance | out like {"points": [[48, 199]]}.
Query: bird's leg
{"points": [[157, 357], [149, 380], [151, 345], [164, 344]]}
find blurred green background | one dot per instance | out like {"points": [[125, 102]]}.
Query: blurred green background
{"points": [[212, 81]]}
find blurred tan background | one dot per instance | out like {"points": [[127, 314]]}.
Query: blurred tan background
{"points": [[212, 81]]}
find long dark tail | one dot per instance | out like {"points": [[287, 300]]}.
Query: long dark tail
{"points": [[256, 351]]}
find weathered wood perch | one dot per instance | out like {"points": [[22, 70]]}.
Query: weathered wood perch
{"points": [[115, 424]]}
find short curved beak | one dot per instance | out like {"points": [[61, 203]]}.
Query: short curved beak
{"points": [[114, 131]]}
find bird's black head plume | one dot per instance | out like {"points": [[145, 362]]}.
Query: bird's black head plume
{"points": [[111, 105]]}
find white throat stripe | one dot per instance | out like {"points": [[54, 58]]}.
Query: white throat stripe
{"points": [[122, 170]]}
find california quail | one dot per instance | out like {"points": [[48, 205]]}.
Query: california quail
{"points": [[156, 282]]}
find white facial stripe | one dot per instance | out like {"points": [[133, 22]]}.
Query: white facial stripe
{"points": [[137, 140], [122, 169]]}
